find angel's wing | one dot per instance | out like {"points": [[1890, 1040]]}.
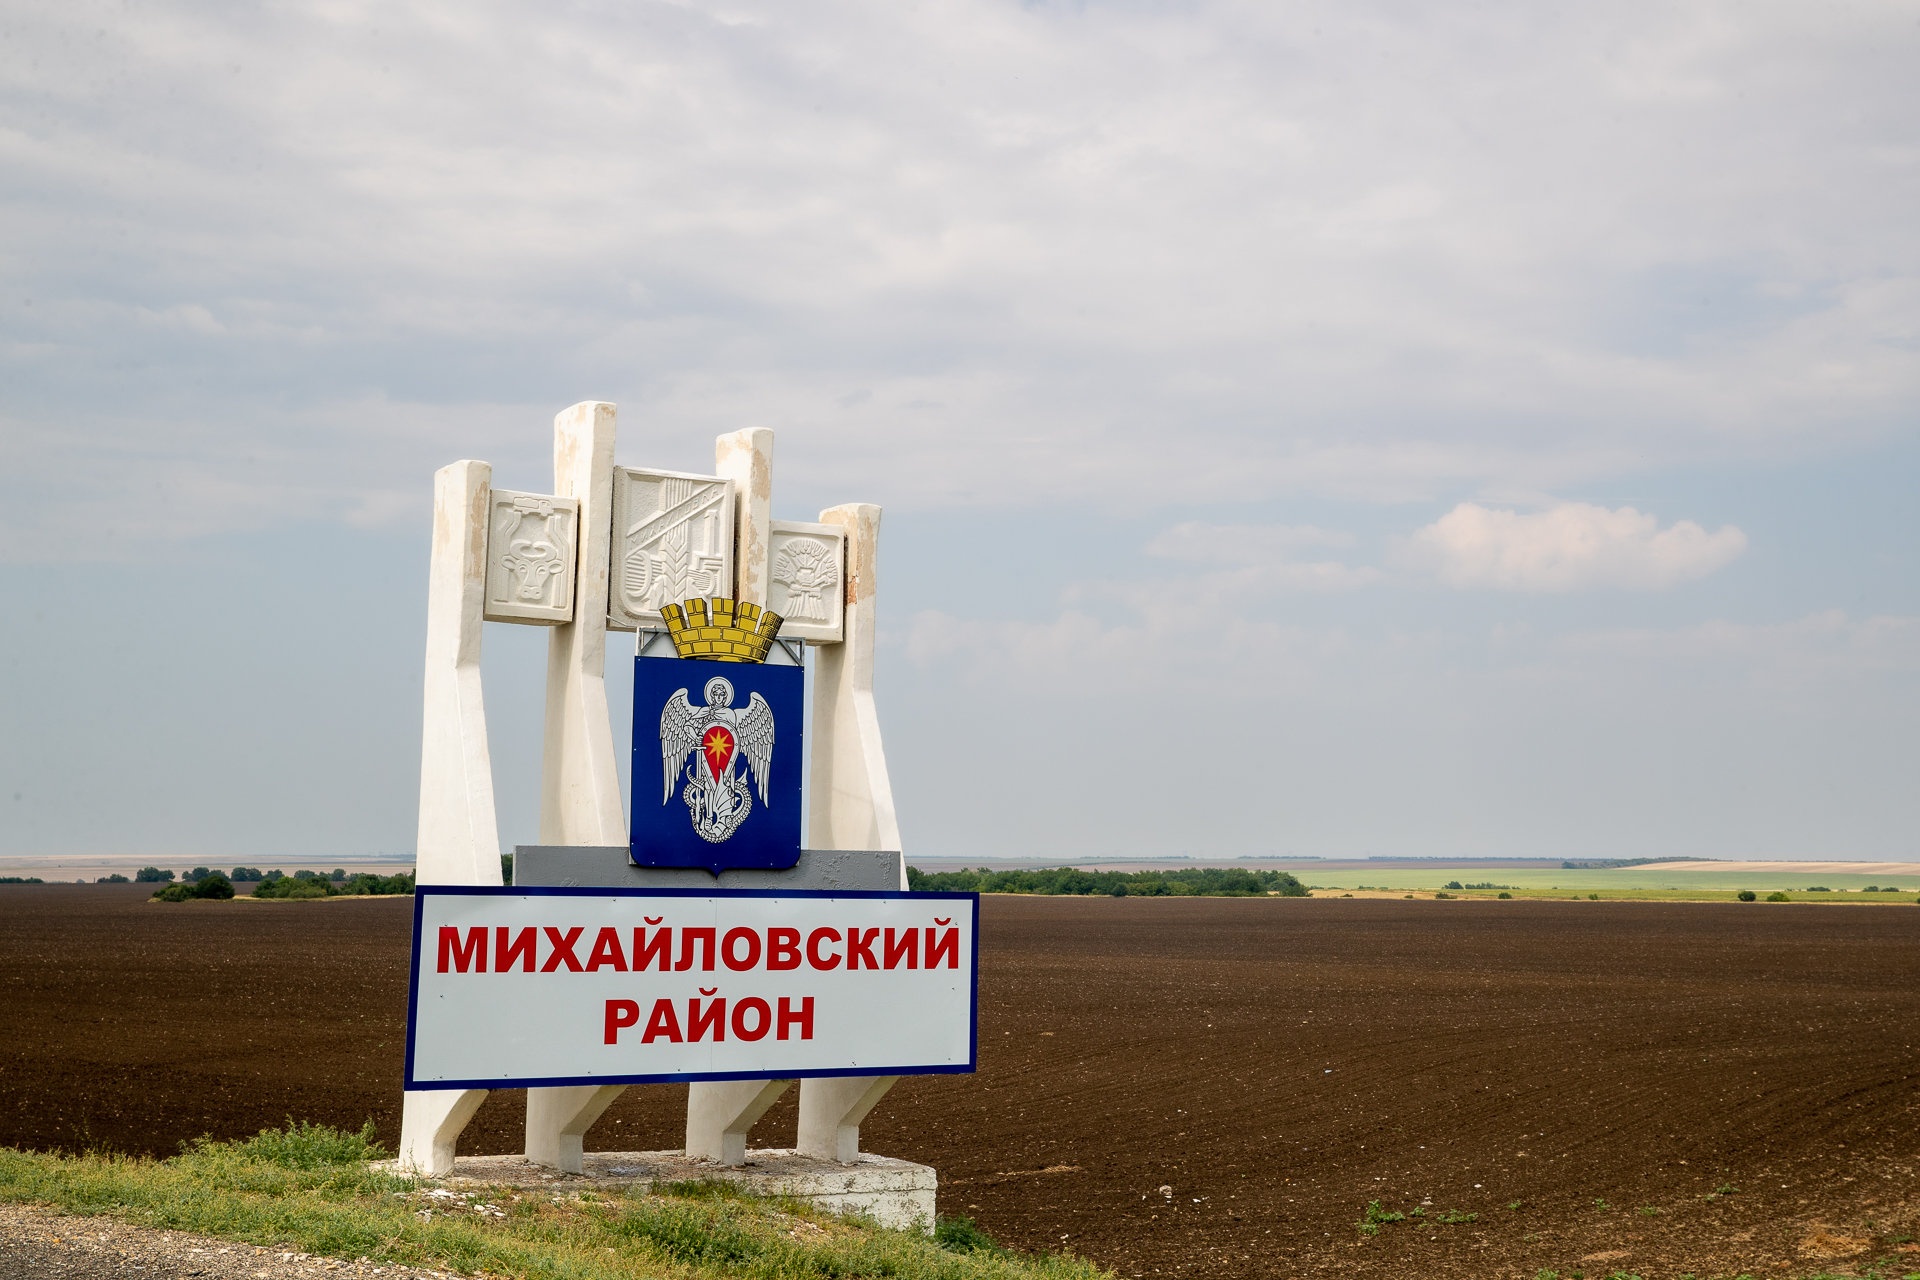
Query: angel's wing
{"points": [[756, 741], [679, 734]]}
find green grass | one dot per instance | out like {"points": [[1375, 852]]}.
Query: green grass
{"points": [[309, 1188]]}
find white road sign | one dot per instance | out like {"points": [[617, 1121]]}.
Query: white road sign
{"points": [[549, 986]]}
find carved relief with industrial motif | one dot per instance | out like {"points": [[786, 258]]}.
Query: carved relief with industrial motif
{"points": [[672, 541], [531, 541], [807, 584]]}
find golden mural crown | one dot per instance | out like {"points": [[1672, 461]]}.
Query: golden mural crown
{"points": [[721, 630]]}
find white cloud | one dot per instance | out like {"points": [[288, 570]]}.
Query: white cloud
{"points": [[1571, 547], [971, 253]]}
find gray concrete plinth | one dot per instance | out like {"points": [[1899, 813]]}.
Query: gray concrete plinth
{"points": [[894, 1193]]}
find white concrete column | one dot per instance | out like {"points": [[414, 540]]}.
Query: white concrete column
{"points": [[746, 458], [579, 785], [850, 802], [430, 1124], [831, 1109], [558, 1120], [458, 840], [719, 1113]]}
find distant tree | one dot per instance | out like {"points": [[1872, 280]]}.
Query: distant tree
{"points": [[115, 878], [212, 885], [153, 875], [1189, 881], [1746, 895], [368, 883], [294, 886], [506, 868], [243, 874], [197, 874], [337, 875], [21, 880]]}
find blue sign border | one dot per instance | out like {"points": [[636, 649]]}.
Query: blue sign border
{"points": [[422, 892]]}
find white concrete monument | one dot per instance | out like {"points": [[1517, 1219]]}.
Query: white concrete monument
{"points": [[673, 540], [530, 557], [806, 584], [608, 550]]}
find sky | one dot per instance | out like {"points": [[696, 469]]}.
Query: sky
{"points": [[1302, 428]]}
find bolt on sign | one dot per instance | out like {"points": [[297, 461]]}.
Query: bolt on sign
{"points": [[521, 987]]}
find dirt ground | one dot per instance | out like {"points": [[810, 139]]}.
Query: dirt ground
{"points": [[1274, 1064], [51, 1246]]}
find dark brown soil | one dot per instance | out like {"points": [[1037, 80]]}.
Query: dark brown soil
{"points": [[1276, 1063]]}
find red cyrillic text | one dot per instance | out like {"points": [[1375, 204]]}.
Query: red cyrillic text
{"points": [[714, 1018], [803, 1019], [521, 947], [663, 1023], [473, 953], [563, 949], [858, 946], [752, 940], [687, 939], [606, 951], [908, 946], [783, 949], [814, 957], [762, 1019], [644, 952], [620, 1015], [949, 945]]}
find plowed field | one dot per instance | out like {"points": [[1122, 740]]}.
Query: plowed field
{"points": [[1616, 1069]]}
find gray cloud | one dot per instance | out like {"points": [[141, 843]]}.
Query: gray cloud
{"points": [[967, 252]]}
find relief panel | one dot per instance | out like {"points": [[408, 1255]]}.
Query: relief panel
{"points": [[807, 584], [531, 549], [672, 541]]}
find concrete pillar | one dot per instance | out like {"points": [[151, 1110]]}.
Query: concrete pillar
{"points": [[458, 841], [558, 1120], [430, 1124], [831, 1109], [850, 804], [746, 458], [719, 1113], [579, 785]]}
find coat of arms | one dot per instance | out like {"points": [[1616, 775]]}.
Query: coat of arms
{"points": [[706, 744], [714, 705]]}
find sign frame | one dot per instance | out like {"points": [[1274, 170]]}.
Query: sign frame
{"points": [[423, 892]]}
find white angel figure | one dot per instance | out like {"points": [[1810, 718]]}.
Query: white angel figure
{"points": [[716, 736]]}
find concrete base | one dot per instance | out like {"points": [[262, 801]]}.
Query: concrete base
{"points": [[894, 1193]]}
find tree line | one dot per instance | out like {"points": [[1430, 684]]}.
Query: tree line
{"points": [[1198, 882]]}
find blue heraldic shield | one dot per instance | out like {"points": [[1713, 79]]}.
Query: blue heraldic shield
{"points": [[716, 764]]}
